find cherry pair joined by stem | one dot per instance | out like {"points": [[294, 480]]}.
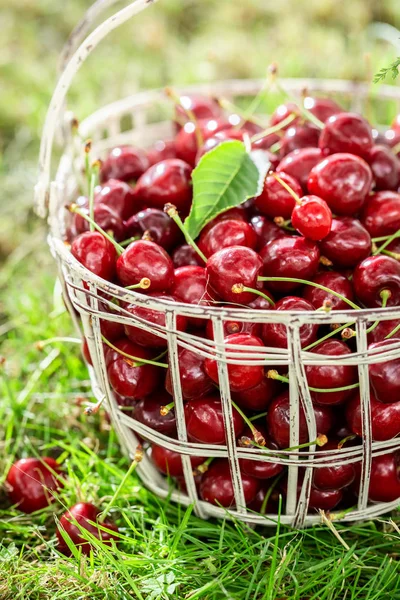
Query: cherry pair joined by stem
{"points": [[334, 281]]}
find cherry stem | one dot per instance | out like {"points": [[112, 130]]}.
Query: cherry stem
{"points": [[272, 374], [41, 344], [93, 409], [171, 211], [304, 111], [258, 437], [394, 255], [393, 332], [126, 243], [320, 441], [274, 129], [239, 288], [255, 103], [73, 208], [385, 295], [312, 284], [287, 187], [137, 362], [203, 468], [143, 284], [345, 440], [258, 416], [388, 241], [280, 222], [275, 147], [327, 336], [88, 170], [170, 93], [230, 106], [165, 410]]}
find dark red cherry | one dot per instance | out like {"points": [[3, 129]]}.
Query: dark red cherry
{"points": [[385, 376], [272, 504], [385, 418], [385, 167], [257, 398], [283, 111], [205, 422], [278, 421], [146, 259], [347, 244], [343, 181], [161, 228], [187, 139], [185, 256], [299, 163], [111, 330], [202, 107], [275, 334], [385, 481], [147, 412], [299, 136], [261, 469], [237, 213], [118, 196], [124, 163], [330, 376], [290, 256], [127, 379], [234, 265], [81, 516], [334, 477], [346, 132], [266, 230], [161, 150], [322, 108], [275, 200], [375, 274], [194, 379], [312, 218], [217, 488], [231, 327], [190, 286], [217, 139], [381, 214], [31, 484], [105, 218], [381, 331], [265, 143], [95, 253], [392, 138], [335, 282], [170, 462], [241, 377], [169, 181], [324, 499], [227, 233]]}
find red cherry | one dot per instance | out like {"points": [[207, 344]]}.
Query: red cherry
{"points": [[190, 286], [385, 418], [391, 138], [227, 233], [257, 398], [185, 256], [381, 214], [375, 274], [127, 379], [346, 132], [258, 468], [347, 244], [231, 327], [381, 331], [334, 477], [234, 265], [158, 224], [170, 462], [385, 167], [146, 259], [169, 181], [118, 196], [147, 412], [161, 150], [282, 112], [275, 334], [241, 377], [95, 253], [194, 380], [335, 282], [84, 514], [187, 139], [312, 218], [217, 140], [265, 230], [205, 422], [202, 107], [322, 108], [237, 213], [216, 486], [299, 136], [31, 484], [275, 200], [257, 505], [385, 376], [124, 163], [299, 163], [105, 218], [384, 481], [324, 499]]}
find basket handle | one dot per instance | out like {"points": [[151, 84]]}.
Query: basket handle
{"points": [[42, 188]]}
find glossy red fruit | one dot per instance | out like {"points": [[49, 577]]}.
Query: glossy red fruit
{"points": [[231, 327], [283, 111], [161, 150], [169, 181], [187, 139], [324, 499], [170, 462], [260, 469], [185, 256], [375, 274], [225, 234], [299, 136], [385, 481], [275, 334], [385, 376], [266, 230], [346, 132], [217, 139], [290, 256], [202, 107], [299, 163], [330, 376], [312, 218], [30, 483], [217, 488], [147, 412], [391, 138], [385, 418], [84, 514], [278, 421], [118, 196], [237, 213], [385, 167], [146, 259], [127, 379], [230, 266], [347, 244], [194, 379], [322, 108], [205, 422], [381, 214], [241, 377], [275, 200], [95, 253], [105, 218], [334, 477], [124, 163], [381, 331], [191, 286], [257, 398], [161, 228], [343, 181], [335, 282]]}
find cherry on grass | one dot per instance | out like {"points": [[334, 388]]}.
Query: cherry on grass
{"points": [[385, 418], [144, 259], [217, 488], [148, 412], [119, 196], [385, 167], [381, 214], [168, 181], [312, 218], [275, 334], [347, 244], [193, 377], [31, 483], [346, 132], [124, 163], [156, 224], [227, 233], [299, 163], [373, 276], [205, 421], [275, 200], [104, 217], [334, 477], [127, 379], [95, 253], [265, 230], [385, 376], [170, 462], [334, 281]]}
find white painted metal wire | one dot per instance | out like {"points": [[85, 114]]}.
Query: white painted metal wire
{"points": [[88, 295]]}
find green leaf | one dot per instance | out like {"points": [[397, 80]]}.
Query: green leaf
{"points": [[225, 177]]}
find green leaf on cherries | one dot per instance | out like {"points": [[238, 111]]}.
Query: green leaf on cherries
{"points": [[225, 177]]}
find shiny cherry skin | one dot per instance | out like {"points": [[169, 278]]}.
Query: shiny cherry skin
{"points": [[170, 462], [205, 422], [385, 376], [127, 379], [290, 256], [322, 108], [225, 234], [275, 334], [391, 138], [257, 398], [84, 513], [153, 317], [147, 412], [105, 218], [385, 481], [217, 488], [231, 327], [385, 418], [278, 421], [161, 150], [375, 274], [30, 483], [111, 330], [169, 181], [334, 477], [193, 377], [241, 377], [119, 196], [217, 139], [95, 253], [266, 230], [312, 218], [146, 259], [299, 136], [381, 214], [346, 132], [191, 286], [237, 213], [324, 499], [234, 265], [381, 331], [283, 111], [275, 200], [202, 107], [335, 282], [385, 167], [161, 228], [343, 181], [347, 244], [185, 256], [299, 163], [258, 468], [187, 139], [330, 376], [124, 163]]}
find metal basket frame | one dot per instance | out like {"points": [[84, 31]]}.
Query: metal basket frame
{"points": [[88, 294]]}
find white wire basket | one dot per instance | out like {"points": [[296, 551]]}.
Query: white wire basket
{"points": [[87, 295]]}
